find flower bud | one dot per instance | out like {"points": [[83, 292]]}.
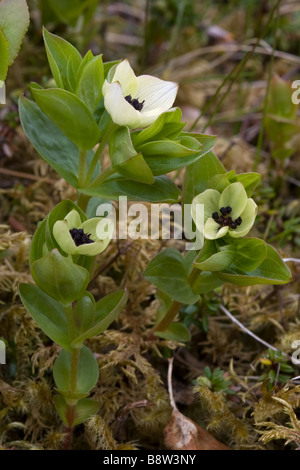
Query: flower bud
{"points": [[59, 277]]}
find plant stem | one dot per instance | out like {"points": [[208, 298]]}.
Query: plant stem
{"points": [[75, 354], [82, 168], [69, 438], [74, 368], [70, 321], [169, 317], [175, 307], [111, 127], [70, 413], [82, 201], [101, 178]]}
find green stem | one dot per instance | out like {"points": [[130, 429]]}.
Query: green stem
{"points": [[175, 307], [74, 368], [70, 321], [82, 168], [169, 317], [70, 413], [75, 354], [82, 201], [101, 178], [75, 351], [111, 127]]}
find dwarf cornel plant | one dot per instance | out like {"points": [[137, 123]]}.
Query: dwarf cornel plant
{"points": [[95, 103]]}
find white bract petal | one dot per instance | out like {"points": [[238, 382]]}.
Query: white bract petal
{"points": [[248, 217], [126, 77], [147, 97], [122, 113], [73, 219], [212, 230], [61, 233], [91, 249], [234, 196], [157, 93], [210, 200], [236, 217], [99, 231]]}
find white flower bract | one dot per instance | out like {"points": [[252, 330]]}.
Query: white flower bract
{"points": [[156, 96]]}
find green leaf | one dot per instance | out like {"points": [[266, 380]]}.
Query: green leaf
{"points": [[171, 148], [93, 205], [47, 312], [173, 155], [272, 270], [4, 54], [64, 60], [89, 87], [125, 160], [14, 22], [163, 189], [50, 142], [109, 65], [87, 371], [245, 254], [84, 312], [107, 310], [171, 131], [59, 277], [168, 272], [198, 174], [84, 409], [156, 129], [250, 253], [250, 181], [216, 262], [37, 246], [69, 114], [165, 305], [87, 58], [206, 282], [175, 332], [219, 182], [188, 259]]}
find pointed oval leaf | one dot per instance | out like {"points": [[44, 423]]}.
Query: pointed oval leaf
{"points": [[64, 60], [70, 115], [87, 371], [59, 277], [206, 282], [168, 272], [272, 270], [84, 409], [175, 332], [4, 54], [198, 174], [89, 86], [47, 312], [126, 160], [50, 142], [14, 22], [162, 190], [107, 310]]}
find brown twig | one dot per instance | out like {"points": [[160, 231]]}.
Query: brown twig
{"points": [[22, 175]]}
